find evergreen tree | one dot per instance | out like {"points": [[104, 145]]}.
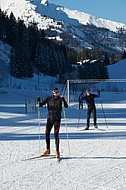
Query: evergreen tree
{"points": [[41, 57], [20, 65], [54, 70], [14, 68], [106, 60], [72, 56], [124, 55], [11, 30], [2, 26], [94, 70], [113, 58], [33, 34]]}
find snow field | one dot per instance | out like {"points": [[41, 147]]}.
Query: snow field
{"points": [[93, 159]]}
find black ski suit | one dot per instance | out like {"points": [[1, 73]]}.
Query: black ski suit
{"points": [[91, 108], [54, 105]]}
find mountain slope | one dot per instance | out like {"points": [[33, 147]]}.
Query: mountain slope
{"points": [[75, 29], [4, 55], [115, 71], [36, 8], [118, 70]]}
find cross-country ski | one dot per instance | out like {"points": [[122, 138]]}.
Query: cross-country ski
{"points": [[39, 156], [92, 129]]}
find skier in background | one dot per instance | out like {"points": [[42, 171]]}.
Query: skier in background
{"points": [[91, 108], [80, 101], [54, 106]]}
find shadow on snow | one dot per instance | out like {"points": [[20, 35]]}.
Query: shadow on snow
{"points": [[118, 135]]}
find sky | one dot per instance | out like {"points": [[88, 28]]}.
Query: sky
{"points": [[114, 10]]}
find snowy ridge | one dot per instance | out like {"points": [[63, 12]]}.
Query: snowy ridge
{"points": [[34, 9], [72, 27], [85, 19]]}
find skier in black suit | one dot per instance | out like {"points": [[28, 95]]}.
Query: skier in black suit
{"points": [[54, 105], [91, 108]]}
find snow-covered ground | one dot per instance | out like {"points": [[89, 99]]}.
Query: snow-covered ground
{"points": [[89, 159], [117, 70]]}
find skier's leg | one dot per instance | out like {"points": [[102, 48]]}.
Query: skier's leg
{"points": [[56, 134], [88, 118], [49, 126], [94, 116], [81, 105]]}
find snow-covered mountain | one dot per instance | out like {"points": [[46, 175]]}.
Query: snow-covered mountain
{"points": [[35, 9], [73, 27]]}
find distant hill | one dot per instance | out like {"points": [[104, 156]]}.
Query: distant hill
{"points": [[116, 71]]}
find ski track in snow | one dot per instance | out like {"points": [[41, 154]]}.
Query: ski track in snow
{"points": [[91, 171], [96, 160]]}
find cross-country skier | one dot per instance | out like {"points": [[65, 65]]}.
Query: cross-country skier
{"points": [[80, 101], [89, 98], [54, 106]]}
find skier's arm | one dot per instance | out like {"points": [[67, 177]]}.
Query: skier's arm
{"points": [[82, 98], [65, 103], [98, 92], [97, 96], [43, 102]]}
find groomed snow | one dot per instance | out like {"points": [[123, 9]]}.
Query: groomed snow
{"points": [[89, 159]]}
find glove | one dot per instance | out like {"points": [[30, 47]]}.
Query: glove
{"points": [[64, 102], [38, 99], [98, 92], [63, 99]]}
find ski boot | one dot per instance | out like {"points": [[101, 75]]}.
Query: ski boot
{"points": [[47, 151]]}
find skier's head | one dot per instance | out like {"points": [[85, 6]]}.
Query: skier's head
{"points": [[55, 91], [88, 92]]}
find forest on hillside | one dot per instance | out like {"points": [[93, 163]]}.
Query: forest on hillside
{"points": [[32, 52]]}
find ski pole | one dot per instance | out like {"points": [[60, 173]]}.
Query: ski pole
{"points": [[39, 121], [79, 118], [66, 127], [84, 106], [64, 89]]}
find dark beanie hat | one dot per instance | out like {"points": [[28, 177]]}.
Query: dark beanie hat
{"points": [[55, 90], [88, 90]]}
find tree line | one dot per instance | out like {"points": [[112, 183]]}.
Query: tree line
{"points": [[32, 52]]}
